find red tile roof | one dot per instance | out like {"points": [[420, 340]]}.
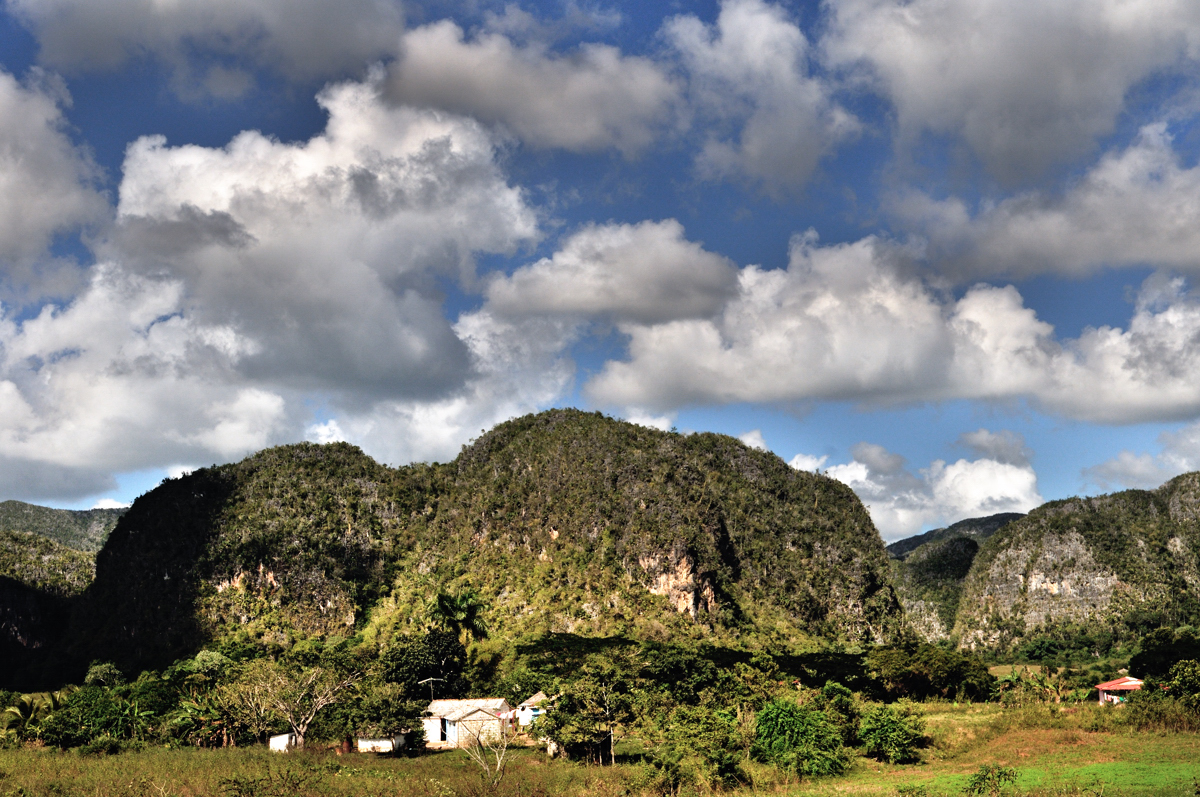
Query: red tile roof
{"points": [[1124, 684]]}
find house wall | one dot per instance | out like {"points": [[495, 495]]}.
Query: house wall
{"points": [[433, 728], [389, 745], [466, 731]]}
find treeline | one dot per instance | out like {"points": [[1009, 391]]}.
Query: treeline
{"points": [[697, 712]]}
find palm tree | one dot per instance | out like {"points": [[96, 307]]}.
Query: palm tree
{"points": [[22, 718], [461, 613]]}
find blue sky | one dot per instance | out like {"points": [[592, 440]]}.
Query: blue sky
{"points": [[939, 249]]}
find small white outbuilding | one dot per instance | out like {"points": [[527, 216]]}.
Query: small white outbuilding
{"points": [[531, 709], [387, 744], [283, 743]]}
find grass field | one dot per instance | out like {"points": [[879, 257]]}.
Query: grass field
{"points": [[1078, 751]]}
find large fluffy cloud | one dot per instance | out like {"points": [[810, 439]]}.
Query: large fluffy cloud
{"points": [[299, 39], [326, 252], [1135, 206], [46, 183], [647, 272], [241, 286], [750, 71], [592, 99], [902, 503], [846, 322], [1025, 83], [120, 379]]}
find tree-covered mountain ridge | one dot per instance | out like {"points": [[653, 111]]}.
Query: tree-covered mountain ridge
{"points": [[1081, 571], [563, 521], [81, 529]]}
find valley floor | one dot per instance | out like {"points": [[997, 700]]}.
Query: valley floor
{"points": [[1074, 751]]}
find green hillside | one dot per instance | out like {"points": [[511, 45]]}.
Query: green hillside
{"points": [[83, 530], [977, 528], [45, 565], [928, 571], [38, 579], [1119, 564], [563, 521]]}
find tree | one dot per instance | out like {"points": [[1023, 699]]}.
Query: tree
{"points": [[438, 655], [798, 739], [247, 702], [489, 752], [590, 712], [23, 716], [298, 693], [460, 614]]}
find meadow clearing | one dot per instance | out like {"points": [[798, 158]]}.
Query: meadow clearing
{"points": [[1079, 750]]}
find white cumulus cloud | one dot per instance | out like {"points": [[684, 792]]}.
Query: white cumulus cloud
{"points": [[847, 322], [1026, 84], [1135, 206], [645, 272], [593, 98], [750, 73], [325, 252], [902, 503], [47, 185]]}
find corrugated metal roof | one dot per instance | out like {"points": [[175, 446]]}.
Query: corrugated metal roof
{"points": [[455, 710], [1125, 684], [533, 701]]}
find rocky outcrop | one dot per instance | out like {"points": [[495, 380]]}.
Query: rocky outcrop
{"points": [[1124, 562]]}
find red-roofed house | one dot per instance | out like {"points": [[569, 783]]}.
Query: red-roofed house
{"points": [[1116, 691]]}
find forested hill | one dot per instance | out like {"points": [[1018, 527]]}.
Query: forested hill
{"points": [[562, 521], [1119, 564], [976, 528], [83, 530]]}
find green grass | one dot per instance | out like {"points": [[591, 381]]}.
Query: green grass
{"points": [[1053, 753]]}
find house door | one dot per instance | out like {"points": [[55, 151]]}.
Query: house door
{"points": [[444, 728]]}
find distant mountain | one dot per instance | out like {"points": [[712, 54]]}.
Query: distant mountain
{"points": [[928, 571], [38, 580], [978, 529], [83, 530], [1123, 563], [562, 521]]}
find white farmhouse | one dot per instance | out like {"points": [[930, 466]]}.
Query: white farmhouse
{"points": [[531, 709], [458, 723]]}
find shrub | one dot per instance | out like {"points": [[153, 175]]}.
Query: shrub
{"points": [[1151, 708], [892, 735], [841, 708], [798, 739], [989, 780]]}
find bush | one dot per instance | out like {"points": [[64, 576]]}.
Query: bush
{"points": [[892, 735], [989, 780], [841, 708], [798, 739], [101, 745], [1151, 708]]}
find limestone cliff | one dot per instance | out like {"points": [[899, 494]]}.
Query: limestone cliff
{"points": [[1126, 562]]}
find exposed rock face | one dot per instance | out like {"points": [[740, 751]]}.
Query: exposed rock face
{"points": [[1115, 562], [687, 591], [1034, 586]]}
